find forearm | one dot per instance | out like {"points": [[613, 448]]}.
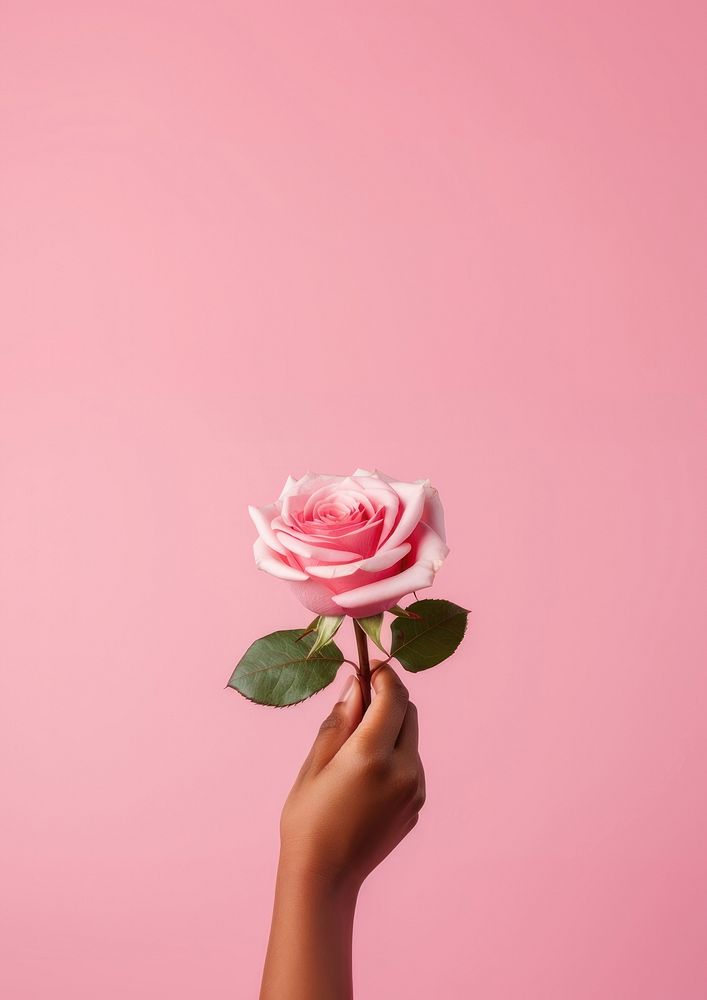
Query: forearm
{"points": [[309, 951]]}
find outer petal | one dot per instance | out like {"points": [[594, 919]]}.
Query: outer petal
{"points": [[289, 486], [377, 474], [430, 551], [307, 551], [379, 596], [262, 519], [376, 563], [271, 563], [311, 481], [384, 559], [428, 546], [433, 514], [317, 597], [413, 500]]}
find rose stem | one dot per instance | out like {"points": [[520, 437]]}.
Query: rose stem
{"points": [[364, 665]]}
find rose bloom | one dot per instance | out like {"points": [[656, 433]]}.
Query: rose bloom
{"points": [[351, 545]]}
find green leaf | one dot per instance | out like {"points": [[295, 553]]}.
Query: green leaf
{"points": [[401, 612], [424, 642], [276, 669], [327, 627], [372, 627]]}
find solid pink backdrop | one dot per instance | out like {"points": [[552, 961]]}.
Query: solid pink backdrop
{"points": [[463, 241]]}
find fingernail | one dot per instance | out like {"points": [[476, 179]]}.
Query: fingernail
{"points": [[347, 688], [374, 681]]}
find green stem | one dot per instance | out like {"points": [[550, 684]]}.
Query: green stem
{"points": [[364, 664]]}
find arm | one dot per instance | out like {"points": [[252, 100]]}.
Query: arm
{"points": [[309, 952], [357, 795]]}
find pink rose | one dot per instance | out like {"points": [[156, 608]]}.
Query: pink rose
{"points": [[351, 545]]}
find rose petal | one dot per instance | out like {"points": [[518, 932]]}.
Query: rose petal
{"points": [[316, 596], [413, 498], [433, 514], [262, 518], [347, 500], [385, 477], [333, 572], [289, 486], [361, 541], [297, 494], [430, 552], [269, 562], [387, 498], [383, 594], [384, 559], [375, 564], [312, 531], [428, 546], [307, 551]]}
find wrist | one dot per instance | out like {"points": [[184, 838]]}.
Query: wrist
{"points": [[313, 879]]}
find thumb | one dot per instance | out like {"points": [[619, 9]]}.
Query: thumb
{"points": [[338, 725]]}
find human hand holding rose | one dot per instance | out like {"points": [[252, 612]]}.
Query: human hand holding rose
{"points": [[349, 546]]}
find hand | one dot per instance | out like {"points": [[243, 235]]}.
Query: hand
{"points": [[360, 789], [357, 795]]}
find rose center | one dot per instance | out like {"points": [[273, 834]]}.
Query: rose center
{"points": [[336, 512]]}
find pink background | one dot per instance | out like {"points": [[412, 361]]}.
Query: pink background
{"points": [[456, 240]]}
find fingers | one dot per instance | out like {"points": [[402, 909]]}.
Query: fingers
{"points": [[382, 722], [409, 732], [407, 752], [337, 727], [421, 787], [411, 824]]}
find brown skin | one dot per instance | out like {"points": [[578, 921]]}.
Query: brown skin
{"points": [[357, 795]]}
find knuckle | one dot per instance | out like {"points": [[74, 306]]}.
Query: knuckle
{"points": [[333, 721], [376, 764], [409, 781], [418, 799], [400, 695], [391, 682]]}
